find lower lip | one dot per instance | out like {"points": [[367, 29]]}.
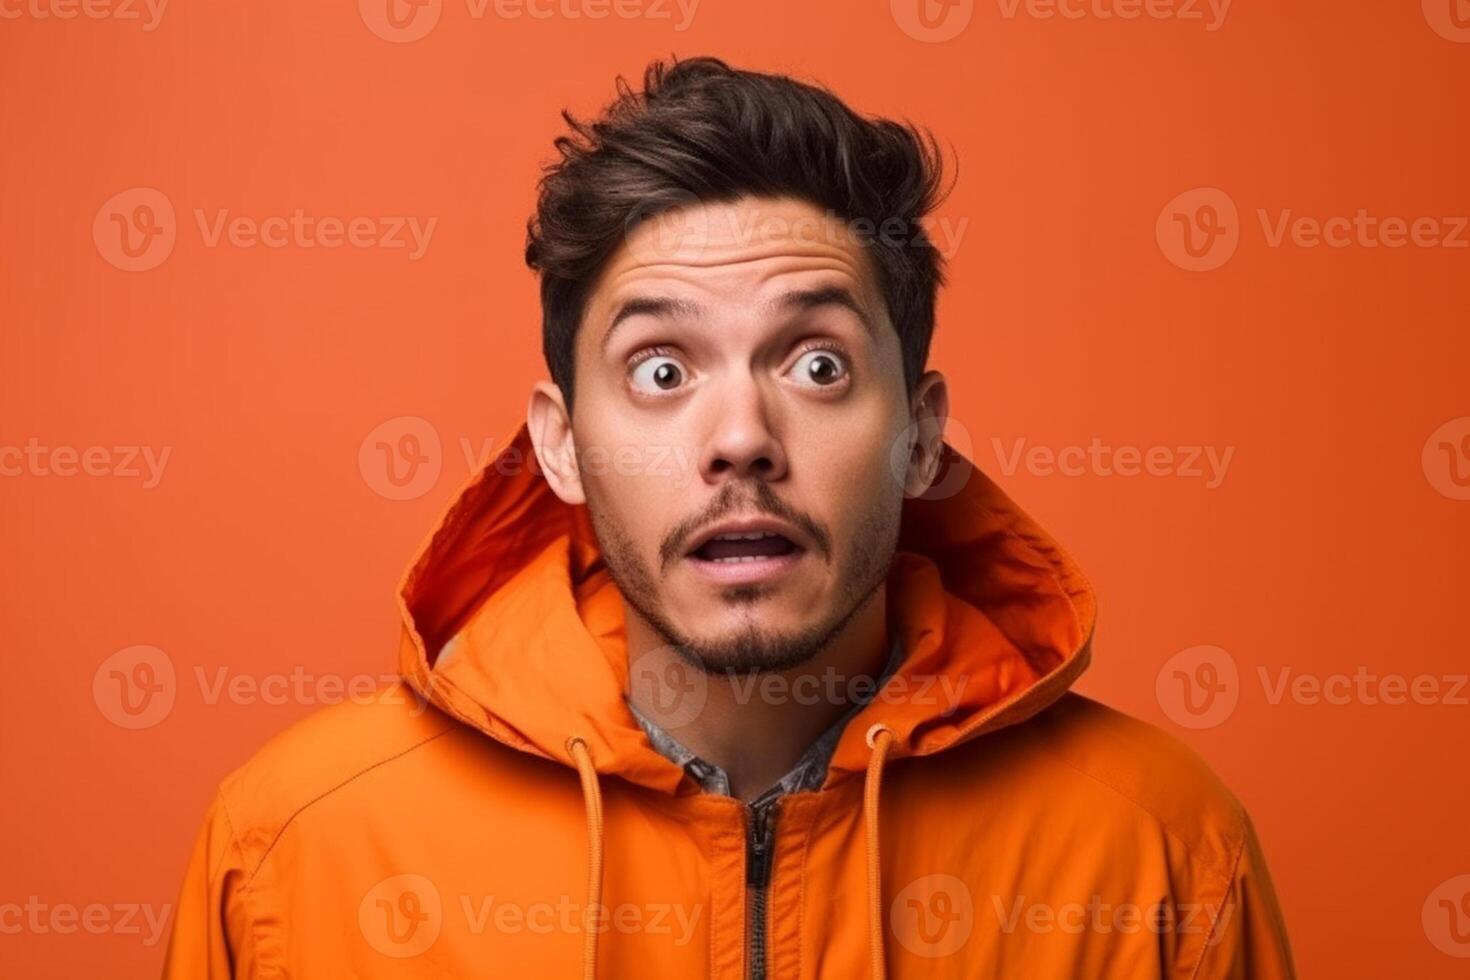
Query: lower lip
{"points": [[746, 572]]}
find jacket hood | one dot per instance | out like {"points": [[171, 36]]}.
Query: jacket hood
{"points": [[512, 624]]}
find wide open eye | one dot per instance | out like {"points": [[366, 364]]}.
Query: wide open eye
{"points": [[819, 368], [658, 373]]}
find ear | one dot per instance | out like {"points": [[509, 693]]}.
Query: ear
{"points": [[550, 425], [929, 408]]}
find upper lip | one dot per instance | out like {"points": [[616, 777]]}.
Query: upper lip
{"points": [[746, 525]]}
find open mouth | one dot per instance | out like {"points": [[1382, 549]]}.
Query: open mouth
{"points": [[745, 547]]}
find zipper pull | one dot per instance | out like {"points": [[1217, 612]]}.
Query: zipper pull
{"points": [[758, 863]]}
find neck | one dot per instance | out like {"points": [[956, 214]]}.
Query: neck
{"points": [[756, 726]]}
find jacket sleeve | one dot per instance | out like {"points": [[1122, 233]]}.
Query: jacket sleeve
{"points": [[210, 938], [1247, 936]]}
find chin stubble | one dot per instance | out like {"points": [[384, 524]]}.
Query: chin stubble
{"points": [[752, 649]]}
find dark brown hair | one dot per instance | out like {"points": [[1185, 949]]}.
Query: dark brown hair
{"points": [[701, 130]]}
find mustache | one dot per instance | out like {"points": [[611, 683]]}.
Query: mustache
{"points": [[761, 499]]}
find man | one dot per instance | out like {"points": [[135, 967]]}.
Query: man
{"points": [[728, 666]]}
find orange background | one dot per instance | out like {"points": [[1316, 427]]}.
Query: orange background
{"points": [[1335, 541]]}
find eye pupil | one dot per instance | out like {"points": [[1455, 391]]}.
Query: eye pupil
{"points": [[666, 375], [822, 369]]}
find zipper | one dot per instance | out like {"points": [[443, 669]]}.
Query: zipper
{"points": [[760, 840]]}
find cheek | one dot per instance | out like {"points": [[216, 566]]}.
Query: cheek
{"points": [[848, 446], [851, 476], [637, 487]]}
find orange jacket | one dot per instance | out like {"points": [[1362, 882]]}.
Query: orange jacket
{"points": [[985, 822]]}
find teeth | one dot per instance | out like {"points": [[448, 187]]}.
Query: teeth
{"points": [[741, 558], [749, 536]]}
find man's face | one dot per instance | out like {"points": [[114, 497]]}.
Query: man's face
{"points": [[739, 392]]}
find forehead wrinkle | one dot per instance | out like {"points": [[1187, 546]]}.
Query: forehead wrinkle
{"points": [[820, 258]]}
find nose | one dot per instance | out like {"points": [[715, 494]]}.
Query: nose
{"points": [[742, 442]]}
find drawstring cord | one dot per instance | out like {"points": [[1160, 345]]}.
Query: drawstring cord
{"points": [[880, 740], [592, 797]]}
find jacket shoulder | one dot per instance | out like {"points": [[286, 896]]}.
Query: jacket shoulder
{"points": [[1150, 769], [320, 754]]}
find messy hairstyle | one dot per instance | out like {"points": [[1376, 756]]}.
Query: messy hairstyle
{"points": [[703, 131]]}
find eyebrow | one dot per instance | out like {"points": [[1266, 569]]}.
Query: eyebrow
{"points": [[795, 301]]}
